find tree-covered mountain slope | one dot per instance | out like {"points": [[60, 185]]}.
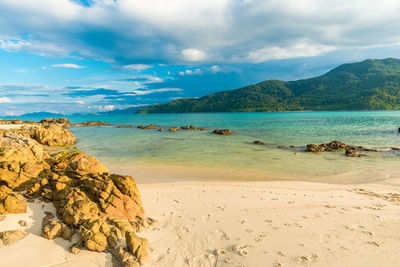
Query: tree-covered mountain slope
{"points": [[373, 84]]}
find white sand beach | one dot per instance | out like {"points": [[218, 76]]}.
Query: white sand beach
{"points": [[243, 224]]}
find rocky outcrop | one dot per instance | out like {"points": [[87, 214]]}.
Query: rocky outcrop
{"points": [[223, 132], [7, 238], [148, 127], [103, 208], [92, 123]]}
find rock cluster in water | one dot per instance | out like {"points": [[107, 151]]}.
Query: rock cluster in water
{"points": [[336, 146], [104, 209]]}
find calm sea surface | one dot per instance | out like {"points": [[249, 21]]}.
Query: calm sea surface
{"points": [[202, 149]]}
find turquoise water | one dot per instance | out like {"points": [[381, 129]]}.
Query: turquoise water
{"points": [[202, 149]]}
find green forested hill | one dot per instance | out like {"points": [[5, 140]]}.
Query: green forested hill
{"points": [[368, 85]]}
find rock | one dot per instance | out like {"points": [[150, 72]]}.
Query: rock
{"points": [[160, 130], [22, 223], [51, 229], [138, 247], [173, 129], [190, 127], [148, 127], [11, 202], [124, 126], [8, 238], [223, 132], [259, 143], [151, 221], [123, 226], [62, 121], [94, 235], [77, 164], [74, 250], [53, 135], [92, 123], [67, 232], [352, 153]]}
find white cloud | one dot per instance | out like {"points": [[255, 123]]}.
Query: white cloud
{"points": [[80, 102], [193, 55], [300, 49], [5, 100], [214, 31], [106, 108], [137, 67], [68, 66], [152, 91]]}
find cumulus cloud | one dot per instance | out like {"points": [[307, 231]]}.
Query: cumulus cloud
{"points": [[130, 32], [5, 100], [68, 66]]}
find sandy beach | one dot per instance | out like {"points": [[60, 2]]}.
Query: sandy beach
{"points": [[243, 224]]}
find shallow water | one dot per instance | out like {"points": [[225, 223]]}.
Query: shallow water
{"points": [[124, 147]]}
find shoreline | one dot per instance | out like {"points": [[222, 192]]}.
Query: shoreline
{"points": [[148, 173]]}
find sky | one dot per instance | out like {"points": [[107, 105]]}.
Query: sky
{"points": [[84, 56]]}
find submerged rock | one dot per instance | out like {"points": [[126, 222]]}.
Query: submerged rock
{"points": [[173, 129], [125, 126], [92, 123], [148, 127], [259, 142], [191, 127], [223, 132], [352, 153]]}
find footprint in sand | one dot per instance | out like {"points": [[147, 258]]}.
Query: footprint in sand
{"points": [[373, 243], [261, 237]]}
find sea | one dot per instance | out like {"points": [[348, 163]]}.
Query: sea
{"points": [[235, 157]]}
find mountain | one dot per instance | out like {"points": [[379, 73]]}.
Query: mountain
{"points": [[373, 84]]}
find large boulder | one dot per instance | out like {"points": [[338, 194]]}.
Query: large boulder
{"points": [[21, 160], [77, 164]]}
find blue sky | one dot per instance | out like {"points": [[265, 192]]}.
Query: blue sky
{"points": [[69, 56]]}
